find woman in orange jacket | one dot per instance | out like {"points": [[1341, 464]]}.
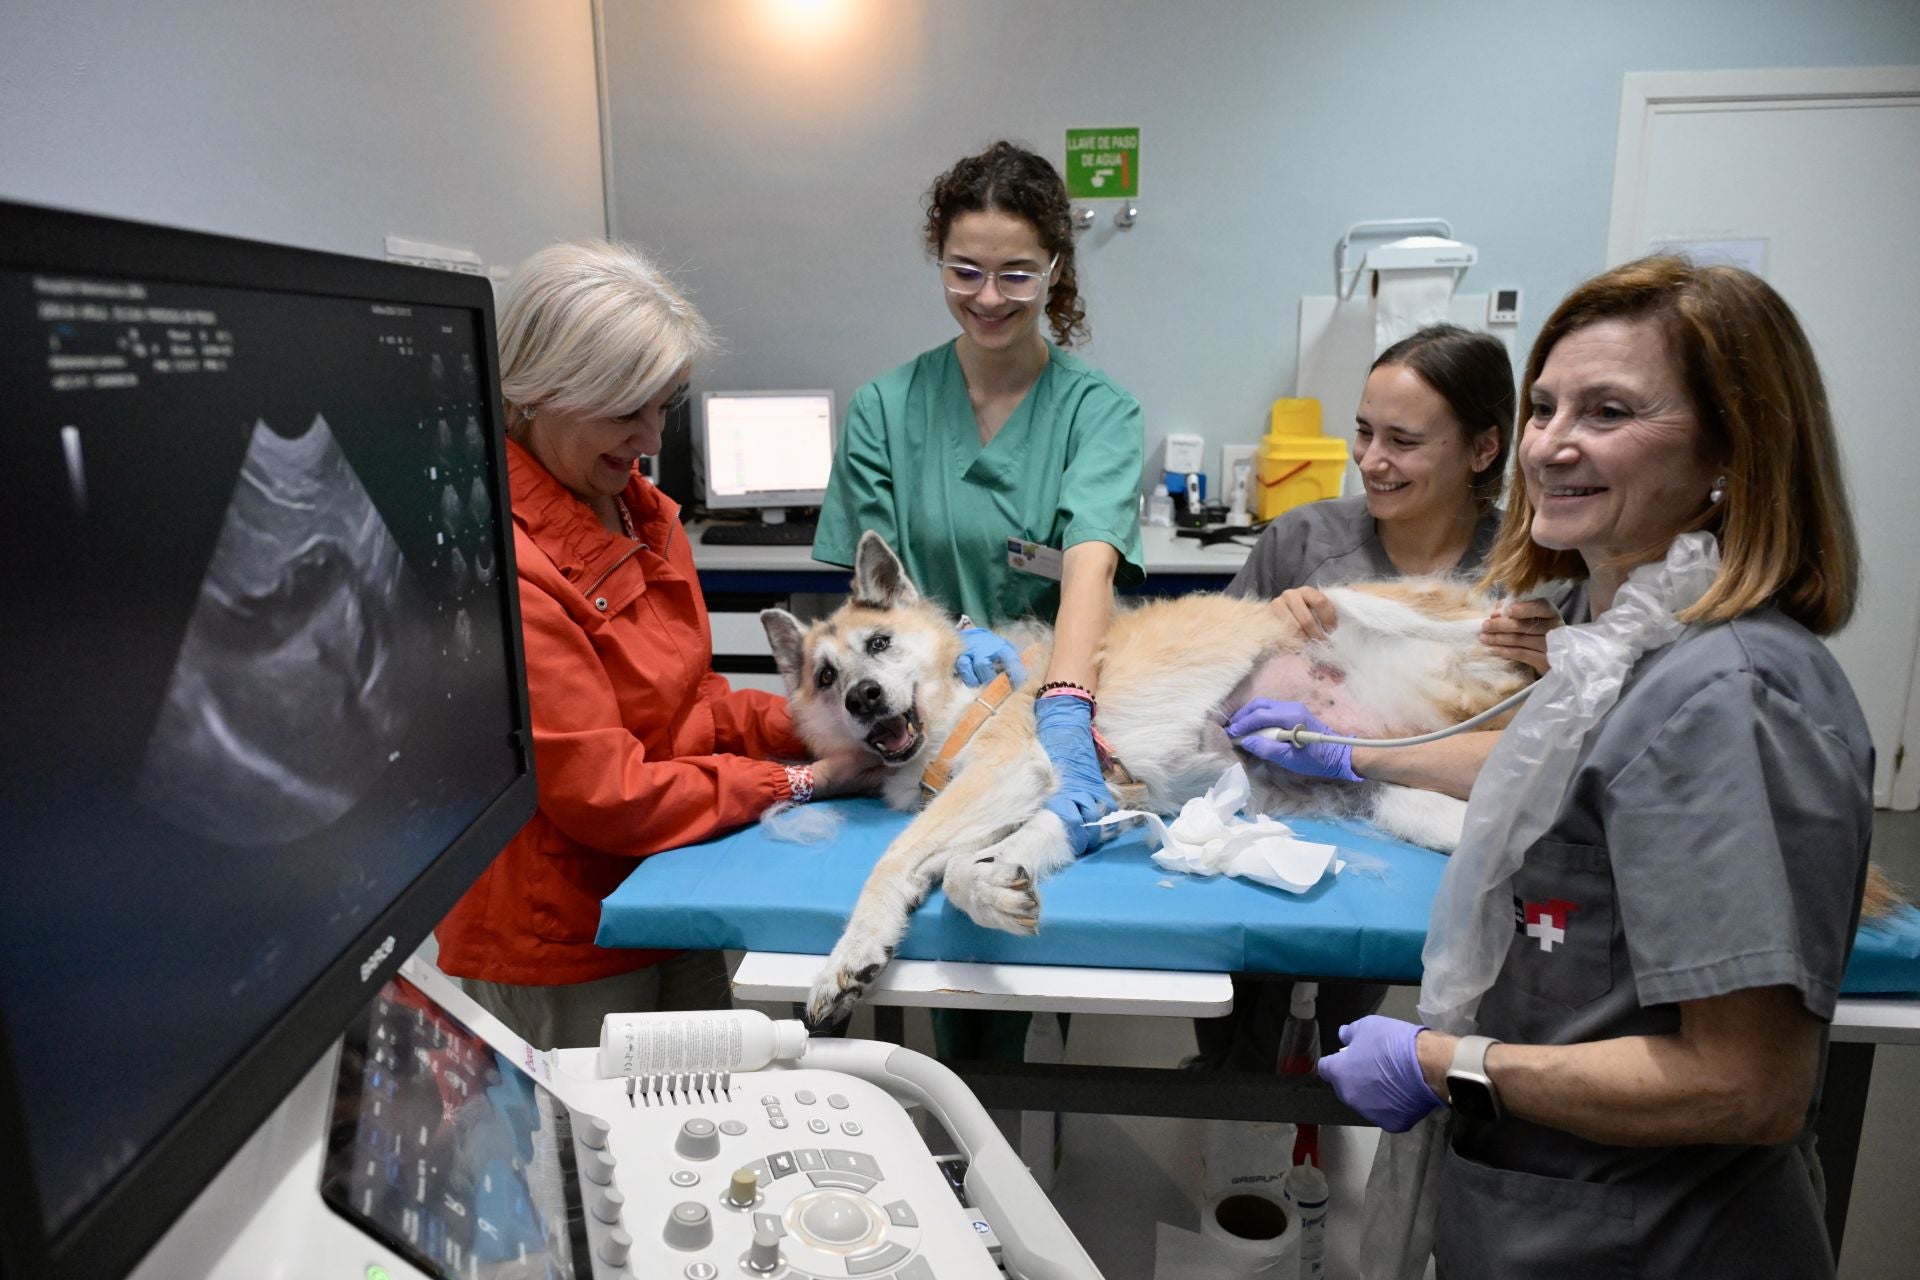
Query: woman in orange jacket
{"points": [[638, 745]]}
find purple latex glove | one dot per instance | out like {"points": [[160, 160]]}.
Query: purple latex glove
{"points": [[1316, 760], [1378, 1073], [984, 656]]}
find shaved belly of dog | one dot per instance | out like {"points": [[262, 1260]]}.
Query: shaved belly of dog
{"points": [[1292, 677]]}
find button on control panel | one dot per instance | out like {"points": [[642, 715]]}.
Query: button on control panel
{"points": [[699, 1139], [607, 1206]]}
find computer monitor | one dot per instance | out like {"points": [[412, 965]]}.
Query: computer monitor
{"points": [[766, 449], [265, 701]]}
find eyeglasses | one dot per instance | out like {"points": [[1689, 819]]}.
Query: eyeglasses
{"points": [[965, 279]]}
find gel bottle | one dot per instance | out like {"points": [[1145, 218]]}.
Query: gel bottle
{"points": [[644, 1044]]}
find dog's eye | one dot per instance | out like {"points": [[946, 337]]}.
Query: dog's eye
{"points": [[878, 643], [826, 677]]}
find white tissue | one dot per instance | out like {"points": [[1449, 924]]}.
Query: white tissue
{"points": [[1409, 300], [1209, 838]]}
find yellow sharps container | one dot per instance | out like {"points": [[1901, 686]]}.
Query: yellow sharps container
{"points": [[1297, 464]]}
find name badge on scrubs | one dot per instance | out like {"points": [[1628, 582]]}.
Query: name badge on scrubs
{"points": [[1033, 557]]}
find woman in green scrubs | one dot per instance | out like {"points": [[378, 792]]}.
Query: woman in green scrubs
{"points": [[998, 435]]}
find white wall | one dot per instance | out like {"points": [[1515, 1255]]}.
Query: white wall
{"points": [[786, 173], [326, 125]]}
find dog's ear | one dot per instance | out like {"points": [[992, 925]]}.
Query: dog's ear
{"points": [[788, 639], [879, 579]]}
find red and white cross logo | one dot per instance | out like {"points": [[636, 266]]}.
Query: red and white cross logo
{"points": [[1547, 921]]}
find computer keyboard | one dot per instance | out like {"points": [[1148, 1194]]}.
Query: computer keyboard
{"points": [[790, 534]]}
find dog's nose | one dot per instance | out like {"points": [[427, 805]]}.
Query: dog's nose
{"points": [[865, 699]]}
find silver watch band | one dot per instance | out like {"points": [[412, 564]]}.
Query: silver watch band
{"points": [[1470, 1056]]}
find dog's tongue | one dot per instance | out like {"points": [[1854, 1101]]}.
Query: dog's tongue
{"points": [[891, 734]]}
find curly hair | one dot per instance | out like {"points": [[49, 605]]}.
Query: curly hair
{"points": [[1008, 178]]}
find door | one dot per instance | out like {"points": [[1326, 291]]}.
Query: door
{"points": [[1811, 178]]}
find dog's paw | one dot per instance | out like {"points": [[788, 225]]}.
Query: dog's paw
{"points": [[995, 889], [850, 970]]}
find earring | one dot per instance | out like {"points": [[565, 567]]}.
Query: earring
{"points": [[1718, 493], [526, 413]]}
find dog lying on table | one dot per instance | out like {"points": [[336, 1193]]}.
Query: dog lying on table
{"points": [[878, 675]]}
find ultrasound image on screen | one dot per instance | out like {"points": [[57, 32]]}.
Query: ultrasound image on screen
{"points": [[308, 615], [442, 1147], [260, 672]]}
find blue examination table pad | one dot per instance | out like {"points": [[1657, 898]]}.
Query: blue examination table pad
{"points": [[1112, 909]]}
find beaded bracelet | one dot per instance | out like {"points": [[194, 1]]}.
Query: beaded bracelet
{"points": [[1066, 689], [800, 782]]}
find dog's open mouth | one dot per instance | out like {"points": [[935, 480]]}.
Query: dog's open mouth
{"points": [[896, 737]]}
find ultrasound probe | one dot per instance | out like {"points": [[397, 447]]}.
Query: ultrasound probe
{"points": [[1300, 736]]}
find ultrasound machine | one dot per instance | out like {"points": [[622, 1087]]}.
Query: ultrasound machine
{"points": [[267, 721]]}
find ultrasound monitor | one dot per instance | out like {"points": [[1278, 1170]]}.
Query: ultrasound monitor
{"points": [[266, 710], [768, 450]]}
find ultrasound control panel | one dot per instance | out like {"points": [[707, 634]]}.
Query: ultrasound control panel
{"points": [[454, 1156], [795, 1173]]}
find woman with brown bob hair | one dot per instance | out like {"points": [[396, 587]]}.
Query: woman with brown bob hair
{"points": [[1636, 951], [1785, 529]]}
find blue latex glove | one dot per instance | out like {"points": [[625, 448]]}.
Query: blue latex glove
{"points": [[1378, 1073], [984, 652], [1065, 728], [1315, 760]]}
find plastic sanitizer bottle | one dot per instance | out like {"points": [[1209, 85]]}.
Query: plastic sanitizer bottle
{"points": [[1305, 1190], [1300, 1035], [1160, 508], [640, 1044], [1306, 1199], [1299, 1052]]}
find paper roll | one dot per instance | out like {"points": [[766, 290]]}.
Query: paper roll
{"points": [[1245, 1155], [1243, 1236], [1404, 301]]}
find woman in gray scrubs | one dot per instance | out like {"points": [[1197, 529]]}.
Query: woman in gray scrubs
{"points": [[1430, 436], [1653, 1013], [1430, 439]]}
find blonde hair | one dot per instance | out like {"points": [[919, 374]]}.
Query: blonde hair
{"points": [[596, 328], [1784, 524]]}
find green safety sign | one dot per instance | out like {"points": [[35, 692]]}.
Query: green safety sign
{"points": [[1103, 163]]}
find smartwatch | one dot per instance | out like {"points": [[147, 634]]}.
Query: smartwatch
{"points": [[1469, 1090]]}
